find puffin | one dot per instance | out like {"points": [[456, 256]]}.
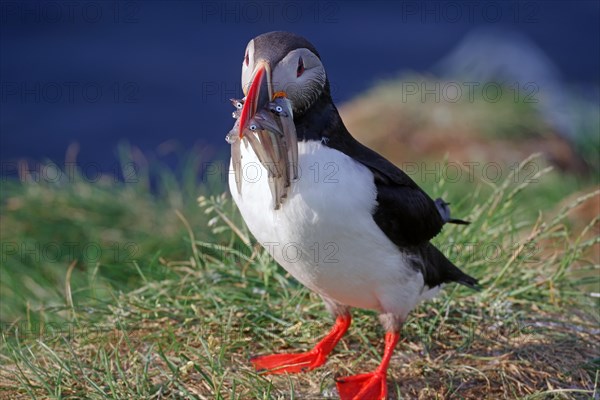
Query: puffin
{"points": [[352, 227]]}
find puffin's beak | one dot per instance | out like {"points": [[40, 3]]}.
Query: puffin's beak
{"points": [[259, 94]]}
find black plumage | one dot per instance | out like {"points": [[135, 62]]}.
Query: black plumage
{"points": [[404, 212]]}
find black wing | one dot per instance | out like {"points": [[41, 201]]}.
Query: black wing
{"points": [[410, 218], [406, 214]]}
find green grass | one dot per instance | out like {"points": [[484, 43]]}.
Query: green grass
{"points": [[188, 298]]}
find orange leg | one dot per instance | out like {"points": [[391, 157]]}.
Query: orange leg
{"points": [[299, 362], [371, 386]]}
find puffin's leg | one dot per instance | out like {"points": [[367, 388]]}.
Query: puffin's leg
{"points": [[299, 362], [373, 385]]}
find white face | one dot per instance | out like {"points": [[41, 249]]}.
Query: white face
{"points": [[248, 67], [300, 75]]}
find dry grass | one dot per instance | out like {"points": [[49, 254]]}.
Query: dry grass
{"points": [[535, 354], [191, 336], [180, 318]]}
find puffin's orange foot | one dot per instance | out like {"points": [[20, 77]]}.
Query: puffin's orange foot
{"points": [[371, 386], [299, 362], [288, 363]]}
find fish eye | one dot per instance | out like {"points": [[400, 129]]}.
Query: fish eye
{"points": [[279, 109], [239, 105], [252, 127]]}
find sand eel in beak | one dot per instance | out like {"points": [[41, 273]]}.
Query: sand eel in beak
{"points": [[272, 135], [300, 178]]}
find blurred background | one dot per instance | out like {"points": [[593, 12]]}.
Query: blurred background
{"points": [[114, 115], [414, 79], [114, 212]]}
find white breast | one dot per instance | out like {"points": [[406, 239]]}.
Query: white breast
{"points": [[324, 233]]}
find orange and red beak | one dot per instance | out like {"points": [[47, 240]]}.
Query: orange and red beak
{"points": [[259, 94]]}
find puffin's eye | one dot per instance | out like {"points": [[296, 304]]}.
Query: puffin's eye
{"points": [[300, 69], [246, 59]]}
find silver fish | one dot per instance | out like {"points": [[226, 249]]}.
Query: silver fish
{"points": [[283, 123], [252, 137], [233, 136], [277, 108], [272, 135], [278, 167], [273, 126], [283, 108], [233, 139], [236, 159], [269, 121], [238, 104], [271, 148]]}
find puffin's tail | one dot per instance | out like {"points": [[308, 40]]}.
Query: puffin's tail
{"points": [[468, 281], [444, 211], [437, 269]]}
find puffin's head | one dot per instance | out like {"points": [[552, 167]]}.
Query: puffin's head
{"points": [[280, 64]]}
